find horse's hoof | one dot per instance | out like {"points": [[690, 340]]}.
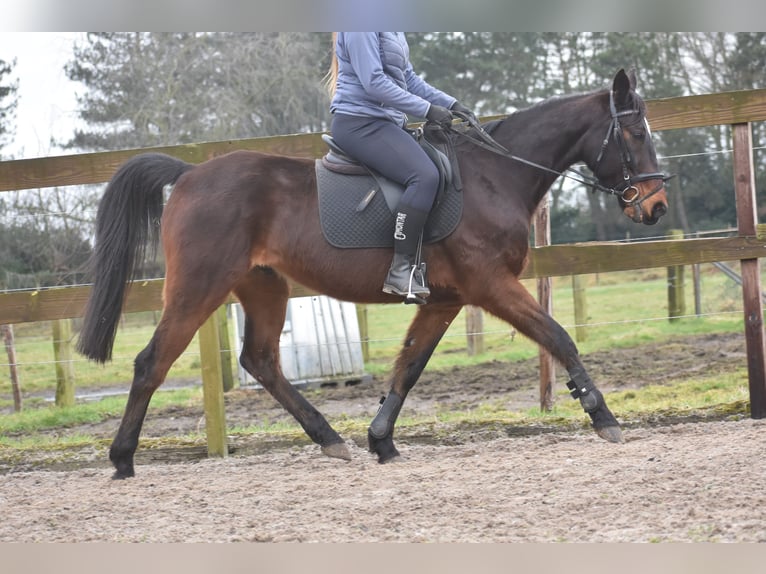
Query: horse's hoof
{"points": [[337, 450], [610, 434], [388, 454], [383, 447], [122, 475]]}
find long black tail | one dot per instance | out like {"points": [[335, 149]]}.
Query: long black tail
{"points": [[128, 219]]}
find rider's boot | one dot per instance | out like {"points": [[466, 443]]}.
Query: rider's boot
{"points": [[407, 276]]}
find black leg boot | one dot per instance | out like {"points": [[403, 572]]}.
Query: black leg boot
{"points": [[405, 277]]}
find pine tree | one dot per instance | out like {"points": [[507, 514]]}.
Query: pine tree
{"points": [[150, 89]]}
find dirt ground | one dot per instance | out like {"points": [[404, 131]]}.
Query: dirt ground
{"points": [[674, 479]]}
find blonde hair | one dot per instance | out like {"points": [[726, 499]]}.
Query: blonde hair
{"points": [[331, 79]]}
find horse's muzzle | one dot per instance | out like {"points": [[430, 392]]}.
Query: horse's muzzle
{"points": [[639, 215], [650, 206], [658, 211]]}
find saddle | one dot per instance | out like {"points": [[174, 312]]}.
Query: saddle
{"points": [[357, 204]]}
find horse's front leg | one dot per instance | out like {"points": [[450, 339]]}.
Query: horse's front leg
{"points": [[426, 330], [522, 311]]}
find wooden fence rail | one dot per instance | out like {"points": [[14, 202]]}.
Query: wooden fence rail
{"points": [[552, 261], [663, 114], [731, 108]]}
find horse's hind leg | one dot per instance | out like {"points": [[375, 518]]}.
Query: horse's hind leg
{"points": [[264, 295], [425, 332], [520, 309], [173, 334]]}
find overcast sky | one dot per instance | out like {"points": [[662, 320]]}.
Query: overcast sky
{"points": [[47, 99]]}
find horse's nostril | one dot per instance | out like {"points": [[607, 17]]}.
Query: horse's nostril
{"points": [[659, 210]]}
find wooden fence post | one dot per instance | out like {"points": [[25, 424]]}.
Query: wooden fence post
{"points": [[224, 344], [747, 220], [696, 279], [62, 354], [474, 328], [10, 349], [580, 308], [212, 387], [676, 299], [364, 331], [545, 298]]}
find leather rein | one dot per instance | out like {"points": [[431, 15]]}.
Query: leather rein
{"points": [[626, 191]]}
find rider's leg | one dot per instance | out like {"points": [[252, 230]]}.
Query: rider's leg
{"points": [[390, 150]]}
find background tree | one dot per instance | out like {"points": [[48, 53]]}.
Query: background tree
{"points": [[712, 62], [149, 89], [498, 73], [152, 89], [36, 249], [493, 73], [34, 256], [749, 63], [8, 99]]}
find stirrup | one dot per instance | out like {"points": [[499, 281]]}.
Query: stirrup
{"points": [[418, 296], [405, 264], [412, 298]]}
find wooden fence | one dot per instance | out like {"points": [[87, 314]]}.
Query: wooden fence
{"points": [[737, 109]]}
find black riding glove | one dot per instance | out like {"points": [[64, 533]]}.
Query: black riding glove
{"points": [[439, 115], [458, 107]]}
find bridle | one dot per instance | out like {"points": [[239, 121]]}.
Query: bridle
{"points": [[626, 190]]}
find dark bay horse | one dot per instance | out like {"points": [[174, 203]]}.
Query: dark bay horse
{"points": [[245, 222]]}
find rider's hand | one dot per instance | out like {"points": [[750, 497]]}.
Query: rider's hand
{"points": [[458, 107], [439, 115]]}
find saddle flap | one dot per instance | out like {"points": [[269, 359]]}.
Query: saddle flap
{"points": [[442, 163]]}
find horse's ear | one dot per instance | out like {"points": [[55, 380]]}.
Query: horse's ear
{"points": [[622, 86]]}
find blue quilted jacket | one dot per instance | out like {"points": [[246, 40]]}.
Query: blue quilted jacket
{"points": [[375, 78]]}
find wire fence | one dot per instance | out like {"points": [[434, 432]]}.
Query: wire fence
{"points": [[722, 305]]}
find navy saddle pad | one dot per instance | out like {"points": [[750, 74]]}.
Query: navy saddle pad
{"points": [[355, 213]]}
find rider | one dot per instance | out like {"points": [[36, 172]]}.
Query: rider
{"points": [[373, 87]]}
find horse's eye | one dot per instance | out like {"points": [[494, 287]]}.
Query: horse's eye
{"points": [[638, 134]]}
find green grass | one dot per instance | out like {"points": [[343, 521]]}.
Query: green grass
{"points": [[638, 298], [50, 416], [36, 367], [624, 309], [725, 394]]}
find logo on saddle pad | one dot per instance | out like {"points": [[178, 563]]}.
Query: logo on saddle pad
{"points": [[399, 229]]}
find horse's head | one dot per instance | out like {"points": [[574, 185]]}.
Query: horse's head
{"points": [[627, 162]]}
